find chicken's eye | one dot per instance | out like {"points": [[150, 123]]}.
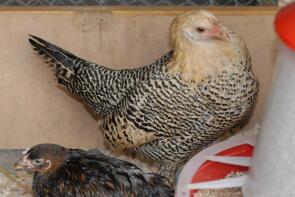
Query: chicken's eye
{"points": [[200, 29], [38, 162]]}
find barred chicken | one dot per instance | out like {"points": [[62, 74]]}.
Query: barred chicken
{"points": [[168, 110], [62, 172]]}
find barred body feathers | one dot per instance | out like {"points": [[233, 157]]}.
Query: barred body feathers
{"points": [[169, 110]]}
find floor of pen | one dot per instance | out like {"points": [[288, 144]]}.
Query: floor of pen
{"points": [[12, 183]]}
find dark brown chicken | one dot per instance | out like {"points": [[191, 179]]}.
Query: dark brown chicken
{"points": [[62, 172]]}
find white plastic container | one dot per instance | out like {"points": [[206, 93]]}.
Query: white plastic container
{"points": [[272, 173]]}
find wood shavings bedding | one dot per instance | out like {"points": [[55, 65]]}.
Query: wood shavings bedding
{"points": [[10, 188], [228, 192]]}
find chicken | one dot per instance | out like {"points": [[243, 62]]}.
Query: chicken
{"points": [[62, 172], [178, 105]]}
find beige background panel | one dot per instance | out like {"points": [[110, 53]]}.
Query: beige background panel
{"points": [[35, 109]]}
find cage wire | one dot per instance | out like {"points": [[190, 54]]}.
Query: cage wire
{"points": [[137, 2]]}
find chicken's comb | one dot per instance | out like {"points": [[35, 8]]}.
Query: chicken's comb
{"points": [[25, 151]]}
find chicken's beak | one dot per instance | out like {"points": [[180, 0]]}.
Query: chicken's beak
{"points": [[218, 33], [23, 163]]}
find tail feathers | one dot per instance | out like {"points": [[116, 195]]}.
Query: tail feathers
{"points": [[160, 185], [62, 60]]}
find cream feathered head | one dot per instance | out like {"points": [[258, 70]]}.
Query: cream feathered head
{"points": [[203, 45]]}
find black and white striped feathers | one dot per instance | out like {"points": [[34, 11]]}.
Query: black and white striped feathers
{"points": [[100, 87], [181, 103]]}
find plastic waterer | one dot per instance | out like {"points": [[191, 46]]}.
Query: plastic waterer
{"points": [[207, 169], [272, 173]]}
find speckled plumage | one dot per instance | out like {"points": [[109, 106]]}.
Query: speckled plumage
{"points": [[169, 110], [99, 87], [80, 173]]}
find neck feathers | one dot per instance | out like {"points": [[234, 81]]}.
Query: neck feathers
{"points": [[197, 61]]}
